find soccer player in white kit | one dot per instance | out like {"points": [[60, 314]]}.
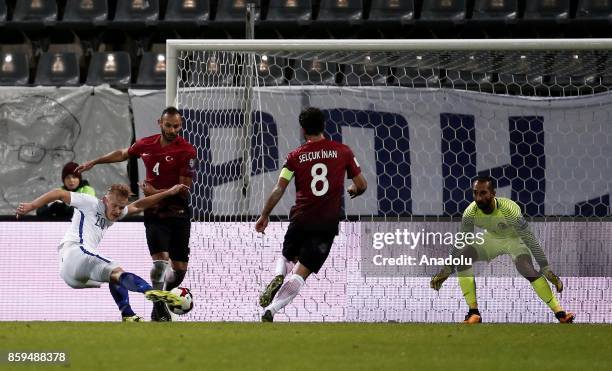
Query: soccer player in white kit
{"points": [[81, 265]]}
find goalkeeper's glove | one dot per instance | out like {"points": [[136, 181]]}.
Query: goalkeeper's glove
{"points": [[437, 280], [552, 278]]}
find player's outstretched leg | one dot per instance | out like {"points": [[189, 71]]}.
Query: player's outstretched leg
{"points": [[286, 293], [280, 271], [132, 282], [542, 289], [120, 294], [525, 267]]}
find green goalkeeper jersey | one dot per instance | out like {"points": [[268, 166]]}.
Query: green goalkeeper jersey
{"points": [[505, 222]]}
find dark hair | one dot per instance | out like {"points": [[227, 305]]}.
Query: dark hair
{"points": [[170, 111], [69, 169], [486, 178], [312, 121]]}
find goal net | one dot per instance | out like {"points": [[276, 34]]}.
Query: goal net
{"points": [[424, 118]]}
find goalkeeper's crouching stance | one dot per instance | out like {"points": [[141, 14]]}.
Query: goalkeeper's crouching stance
{"points": [[507, 232]]}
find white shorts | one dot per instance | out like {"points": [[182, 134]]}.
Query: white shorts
{"points": [[81, 268]]}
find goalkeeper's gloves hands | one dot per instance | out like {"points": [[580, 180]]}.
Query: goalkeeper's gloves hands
{"points": [[437, 280], [552, 278]]}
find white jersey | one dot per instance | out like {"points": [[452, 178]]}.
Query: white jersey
{"points": [[89, 221]]}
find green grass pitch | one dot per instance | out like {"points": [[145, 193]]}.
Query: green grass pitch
{"points": [[311, 346]]}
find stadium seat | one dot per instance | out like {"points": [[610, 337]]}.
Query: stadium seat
{"points": [[234, 10], [270, 70], [57, 69], [188, 10], [2, 12], [314, 71], [289, 11], [340, 10], [137, 11], [64, 41], [84, 11], [109, 68], [15, 42], [594, 10], [35, 12], [152, 70], [113, 40], [14, 69], [392, 10], [444, 10], [366, 74], [558, 10], [496, 10]]}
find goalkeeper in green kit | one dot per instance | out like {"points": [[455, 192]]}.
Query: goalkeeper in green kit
{"points": [[506, 232]]}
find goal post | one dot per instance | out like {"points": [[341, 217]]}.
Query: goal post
{"points": [[424, 118]]}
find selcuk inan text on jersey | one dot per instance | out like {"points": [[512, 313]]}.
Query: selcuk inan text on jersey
{"points": [[321, 154]]}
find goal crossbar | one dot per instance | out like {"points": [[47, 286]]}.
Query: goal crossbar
{"points": [[369, 45]]}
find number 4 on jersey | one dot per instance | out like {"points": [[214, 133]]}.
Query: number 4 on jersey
{"points": [[156, 168]]}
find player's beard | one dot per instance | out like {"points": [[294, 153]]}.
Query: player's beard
{"points": [[484, 206], [169, 138]]}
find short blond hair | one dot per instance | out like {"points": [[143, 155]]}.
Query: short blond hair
{"points": [[121, 190]]}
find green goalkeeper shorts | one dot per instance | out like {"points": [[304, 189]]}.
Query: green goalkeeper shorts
{"points": [[493, 247]]}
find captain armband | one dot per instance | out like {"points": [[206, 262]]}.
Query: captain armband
{"points": [[286, 174]]}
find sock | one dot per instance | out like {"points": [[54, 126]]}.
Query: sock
{"points": [[468, 287], [169, 274], [120, 294], [289, 267], [540, 286], [280, 267], [132, 282], [158, 273], [287, 292], [175, 278]]}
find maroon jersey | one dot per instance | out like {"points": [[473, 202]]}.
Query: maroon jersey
{"points": [[319, 169], [164, 166]]}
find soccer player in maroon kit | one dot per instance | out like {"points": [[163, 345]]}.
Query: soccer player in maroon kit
{"points": [[169, 160], [318, 166]]}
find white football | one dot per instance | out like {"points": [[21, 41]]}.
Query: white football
{"points": [[186, 301]]}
